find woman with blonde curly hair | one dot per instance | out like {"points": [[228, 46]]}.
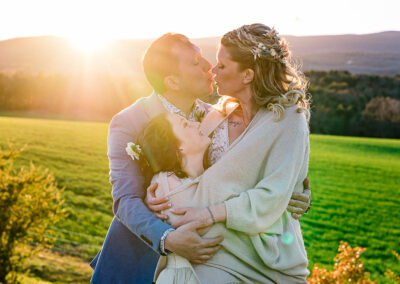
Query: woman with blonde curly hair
{"points": [[244, 194], [275, 82]]}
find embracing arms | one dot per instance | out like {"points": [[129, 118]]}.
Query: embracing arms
{"points": [[128, 193], [258, 208], [299, 204]]}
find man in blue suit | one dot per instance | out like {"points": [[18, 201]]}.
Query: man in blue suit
{"points": [[136, 237]]}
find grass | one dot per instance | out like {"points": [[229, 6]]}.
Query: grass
{"points": [[354, 183], [56, 268]]}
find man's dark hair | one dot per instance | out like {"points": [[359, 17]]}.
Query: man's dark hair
{"points": [[159, 62]]}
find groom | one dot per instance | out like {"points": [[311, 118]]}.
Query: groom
{"points": [[136, 238]]}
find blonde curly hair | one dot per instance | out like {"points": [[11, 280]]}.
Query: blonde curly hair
{"points": [[278, 83]]}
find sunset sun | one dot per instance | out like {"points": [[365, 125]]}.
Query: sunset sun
{"points": [[89, 44]]}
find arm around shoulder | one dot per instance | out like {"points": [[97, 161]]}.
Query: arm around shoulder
{"points": [[127, 185]]}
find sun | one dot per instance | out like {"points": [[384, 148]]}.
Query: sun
{"points": [[89, 44]]}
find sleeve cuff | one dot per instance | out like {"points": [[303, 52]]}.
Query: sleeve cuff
{"points": [[229, 214]]}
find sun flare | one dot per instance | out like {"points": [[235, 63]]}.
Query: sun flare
{"points": [[89, 44]]}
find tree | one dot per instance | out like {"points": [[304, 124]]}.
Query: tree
{"points": [[30, 202], [383, 109]]}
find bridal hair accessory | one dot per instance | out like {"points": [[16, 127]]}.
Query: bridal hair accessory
{"points": [[261, 50], [133, 150]]}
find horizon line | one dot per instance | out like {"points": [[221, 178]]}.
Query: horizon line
{"points": [[194, 38]]}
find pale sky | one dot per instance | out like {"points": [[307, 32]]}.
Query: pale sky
{"points": [[149, 19]]}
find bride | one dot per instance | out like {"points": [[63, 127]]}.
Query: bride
{"points": [[260, 160]]}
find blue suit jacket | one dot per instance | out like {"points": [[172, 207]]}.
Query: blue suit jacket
{"points": [[131, 248]]}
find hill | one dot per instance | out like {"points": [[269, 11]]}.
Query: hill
{"points": [[370, 53], [354, 185]]}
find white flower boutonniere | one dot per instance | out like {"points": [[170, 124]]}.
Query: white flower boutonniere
{"points": [[199, 113], [133, 150]]}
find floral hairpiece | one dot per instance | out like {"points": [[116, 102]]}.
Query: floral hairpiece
{"points": [[261, 49], [133, 150]]}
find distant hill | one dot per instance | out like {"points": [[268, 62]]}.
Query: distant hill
{"points": [[377, 53]]}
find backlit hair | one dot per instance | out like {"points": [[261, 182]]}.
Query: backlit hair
{"points": [[160, 147], [278, 83], [159, 62]]}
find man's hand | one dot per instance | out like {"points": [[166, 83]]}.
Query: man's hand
{"points": [[300, 202], [156, 204], [186, 242], [191, 214]]}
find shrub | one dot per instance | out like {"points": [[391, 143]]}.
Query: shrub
{"points": [[390, 274], [348, 268], [30, 201]]}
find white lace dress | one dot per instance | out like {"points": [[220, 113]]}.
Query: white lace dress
{"points": [[219, 142]]}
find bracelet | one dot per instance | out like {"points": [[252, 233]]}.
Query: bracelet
{"points": [[164, 251], [212, 215]]}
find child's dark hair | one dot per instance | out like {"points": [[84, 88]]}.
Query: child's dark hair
{"points": [[160, 147]]}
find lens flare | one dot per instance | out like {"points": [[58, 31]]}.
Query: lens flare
{"points": [[287, 238]]}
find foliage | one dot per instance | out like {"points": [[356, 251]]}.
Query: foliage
{"points": [[392, 275], [383, 109], [88, 95], [355, 105], [30, 201], [348, 268]]}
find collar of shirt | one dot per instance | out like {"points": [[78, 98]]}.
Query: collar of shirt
{"points": [[173, 109]]}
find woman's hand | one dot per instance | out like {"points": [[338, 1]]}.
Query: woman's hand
{"points": [[300, 203], [156, 204], [190, 214]]}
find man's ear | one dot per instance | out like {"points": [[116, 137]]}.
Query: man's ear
{"points": [[181, 150], [181, 155], [248, 76], [171, 82]]}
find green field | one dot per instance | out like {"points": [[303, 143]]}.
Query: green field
{"points": [[355, 190]]}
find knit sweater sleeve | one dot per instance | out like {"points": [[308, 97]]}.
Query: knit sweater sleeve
{"points": [[257, 209]]}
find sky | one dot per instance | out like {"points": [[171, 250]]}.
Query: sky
{"points": [[104, 20]]}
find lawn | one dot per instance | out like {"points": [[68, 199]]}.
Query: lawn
{"points": [[355, 191]]}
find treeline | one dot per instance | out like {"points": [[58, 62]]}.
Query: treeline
{"points": [[81, 96], [342, 103], [354, 105]]}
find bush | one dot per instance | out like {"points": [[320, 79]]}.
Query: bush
{"points": [[392, 275], [348, 268], [30, 201]]}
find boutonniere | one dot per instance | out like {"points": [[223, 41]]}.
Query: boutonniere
{"points": [[133, 150], [199, 113]]}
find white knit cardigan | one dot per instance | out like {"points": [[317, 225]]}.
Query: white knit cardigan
{"points": [[255, 179]]}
